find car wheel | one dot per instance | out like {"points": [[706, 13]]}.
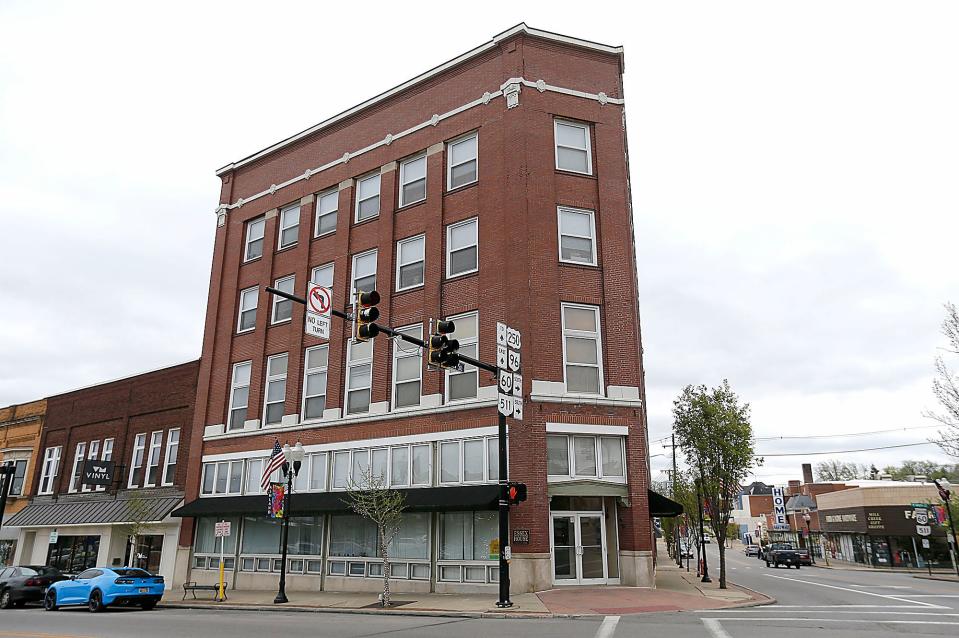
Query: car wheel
{"points": [[147, 605], [50, 601], [6, 600], [96, 602]]}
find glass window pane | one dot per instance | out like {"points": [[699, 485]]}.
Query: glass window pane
{"points": [[463, 174], [361, 465], [572, 160], [315, 407], [449, 462], [365, 265], [580, 350], [577, 249], [584, 453], [493, 446], [317, 357], [327, 202], [412, 250], [352, 535], [462, 235], [278, 365], [568, 135], [369, 186], [365, 284], [407, 368], [261, 535], [557, 456], [485, 531], [414, 169], [463, 260], [400, 466], [222, 470], [411, 275], [341, 469], [236, 477], [465, 327], [275, 391], [361, 350], [380, 459], [360, 376], [462, 386], [421, 464], [454, 535], [289, 236], [579, 319], [582, 379], [318, 472], [408, 394], [412, 540], [414, 192], [573, 223], [316, 383], [473, 460], [241, 374], [305, 536], [612, 456], [358, 401], [463, 150], [326, 223], [369, 208]]}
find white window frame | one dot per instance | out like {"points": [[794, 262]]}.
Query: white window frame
{"points": [[321, 267], [463, 342], [598, 336], [379, 192], [139, 445], [307, 371], [156, 445], [350, 364], [474, 221], [105, 455], [449, 160], [274, 378], [244, 294], [410, 351], [592, 229], [556, 145], [216, 467], [400, 264], [572, 474], [461, 456], [79, 456], [277, 300], [404, 182], [353, 277], [93, 451], [233, 388], [284, 225], [172, 451], [352, 455], [50, 469], [320, 212], [261, 222]]}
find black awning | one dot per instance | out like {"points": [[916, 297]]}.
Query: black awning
{"points": [[93, 511], [659, 505], [467, 497]]}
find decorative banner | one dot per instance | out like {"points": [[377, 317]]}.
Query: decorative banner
{"points": [[779, 511], [275, 495]]}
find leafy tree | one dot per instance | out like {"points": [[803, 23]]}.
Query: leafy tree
{"points": [[712, 429], [835, 470], [929, 469], [946, 386]]}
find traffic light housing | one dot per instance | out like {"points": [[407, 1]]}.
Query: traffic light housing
{"points": [[515, 492], [442, 349], [366, 314]]}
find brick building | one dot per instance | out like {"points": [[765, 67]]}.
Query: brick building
{"points": [[493, 187], [20, 427], [139, 429]]}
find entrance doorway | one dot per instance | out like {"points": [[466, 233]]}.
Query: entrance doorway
{"points": [[149, 549], [579, 548]]}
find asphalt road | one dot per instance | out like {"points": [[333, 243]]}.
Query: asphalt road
{"points": [[832, 603]]}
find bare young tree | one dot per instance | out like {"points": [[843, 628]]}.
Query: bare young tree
{"points": [[137, 525], [373, 499], [946, 387], [836, 470]]}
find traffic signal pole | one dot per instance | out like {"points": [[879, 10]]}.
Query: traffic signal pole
{"points": [[504, 600]]}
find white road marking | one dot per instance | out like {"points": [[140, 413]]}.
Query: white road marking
{"points": [[770, 610], [863, 620], [884, 586], [777, 606], [858, 591], [608, 627], [929, 595], [715, 629]]}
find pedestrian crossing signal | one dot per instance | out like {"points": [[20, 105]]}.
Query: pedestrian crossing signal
{"points": [[515, 493]]}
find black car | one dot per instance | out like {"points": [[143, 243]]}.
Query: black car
{"points": [[26, 583]]}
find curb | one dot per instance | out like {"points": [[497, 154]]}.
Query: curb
{"points": [[942, 578], [369, 612]]}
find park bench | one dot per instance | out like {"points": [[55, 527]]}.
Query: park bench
{"points": [[192, 587]]}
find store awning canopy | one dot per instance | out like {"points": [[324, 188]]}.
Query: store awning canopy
{"points": [[467, 497], [95, 512], [661, 506]]}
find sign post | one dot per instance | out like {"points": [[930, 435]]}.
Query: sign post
{"points": [[319, 303], [510, 403], [221, 531]]}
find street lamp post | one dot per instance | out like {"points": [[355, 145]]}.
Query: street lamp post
{"points": [[702, 534], [812, 553], [943, 485], [294, 459]]}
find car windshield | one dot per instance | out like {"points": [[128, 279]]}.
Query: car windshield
{"points": [[28, 571], [43, 570], [134, 573], [783, 546]]}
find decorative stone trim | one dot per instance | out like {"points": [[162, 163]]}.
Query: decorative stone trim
{"points": [[270, 214], [387, 168], [346, 183], [306, 201]]}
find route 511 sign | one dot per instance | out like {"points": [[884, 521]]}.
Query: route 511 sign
{"points": [[509, 362]]}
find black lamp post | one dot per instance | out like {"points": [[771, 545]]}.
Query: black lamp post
{"points": [[943, 485], [812, 552], [702, 534], [294, 459]]}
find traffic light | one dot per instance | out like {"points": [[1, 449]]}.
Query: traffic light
{"points": [[442, 349], [515, 492], [366, 313]]}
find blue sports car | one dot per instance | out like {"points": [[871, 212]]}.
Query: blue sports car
{"points": [[102, 586]]}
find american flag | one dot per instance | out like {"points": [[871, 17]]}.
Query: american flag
{"points": [[276, 461]]}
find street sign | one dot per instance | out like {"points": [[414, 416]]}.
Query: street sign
{"points": [[505, 381], [517, 408], [221, 529], [54, 535], [513, 338], [319, 302], [518, 384], [923, 530], [501, 354], [506, 405], [508, 360], [921, 517], [508, 553], [513, 360], [925, 543], [501, 333]]}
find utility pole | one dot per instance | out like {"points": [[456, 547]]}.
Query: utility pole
{"points": [[677, 550]]}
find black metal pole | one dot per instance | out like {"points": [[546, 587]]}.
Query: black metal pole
{"points": [[952, 528], [676, 548], [702, 533], [281, 595], [504, 600]]}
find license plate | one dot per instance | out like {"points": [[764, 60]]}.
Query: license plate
{"points": [[144, 590]]}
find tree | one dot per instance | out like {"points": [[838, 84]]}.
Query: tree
{"points": [[712, 429], [374, 500], [138, 524], [946, 387], [835, 470], [929, 469]]}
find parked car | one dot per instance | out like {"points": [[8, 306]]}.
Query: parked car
{"points": [[804, 557], [103, 586], [782, 554], [706, 538], [685, 551], [26, 583], [751, 550]]}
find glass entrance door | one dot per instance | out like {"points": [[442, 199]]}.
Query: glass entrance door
{"points": [[579, 549]]}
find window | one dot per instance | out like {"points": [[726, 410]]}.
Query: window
{"points": [[464, 461], [222, 477], [254, 239], [153, 460], [206, 540], [172, 449], [557, 455], [413, 180], [461, 162], [136, 465], [51, 467], [314, 382], [246, 317], [289, 226], [581, 349], [592, 456], [78, 457], [275, 389], [283, 308], [359, 376], [463, 385], [572, 147], [410, 260], [468, 535], [364, 272], [367, 197], [576, 232], [92, 454], [317, 472], [611, 456], [19, 473], [341, 469], [326, 205], [106, 455], [405, 465], [323, 276], [239, 395], [353, 536], [584, 456], [461, 248], [254, 472], [407, 369]]}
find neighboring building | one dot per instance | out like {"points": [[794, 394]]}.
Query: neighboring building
{"points": [[755, 502], [20, 427], [801, 501], [141, 425], [493, 187]]}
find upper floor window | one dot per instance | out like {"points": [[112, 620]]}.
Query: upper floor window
{"points": [[326, 205], [323, 276], [577, 231], [464, 385], [367, 197], [461, 162], [359, 376], [407, 369], [410, 262], [19, 473], [172, 450], [105, 455], [282, 307], [572, 147], [50, 469], [314, 382], [413, 180], [254, 239], [92, 455], [246, 317], [364, 272], [468, 461], [136, 464], [225, 477], [289, 226], [153, 459], [79, 454], [582, 352], [275, 389], [462, 248], [585, 456], [239, 395]]}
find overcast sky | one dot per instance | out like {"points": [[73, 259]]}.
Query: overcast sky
{"points": [[794, 175]]}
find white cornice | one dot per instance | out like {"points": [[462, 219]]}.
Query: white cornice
{"points": [[520, 28]]}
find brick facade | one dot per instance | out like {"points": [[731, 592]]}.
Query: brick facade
{"points": [[20, 427]]}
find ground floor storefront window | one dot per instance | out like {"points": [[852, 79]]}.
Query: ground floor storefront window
{"points": [[73, 554], [903, 552]]}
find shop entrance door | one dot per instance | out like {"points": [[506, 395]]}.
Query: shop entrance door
{"points": [[149, 547], [579, 548]]}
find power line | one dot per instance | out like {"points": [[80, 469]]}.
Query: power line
{"points": [[828, 436], [865, 449]]}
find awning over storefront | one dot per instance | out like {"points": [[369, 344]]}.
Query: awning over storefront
{"points": [[661, 506], [468, 497], [95, 512]]}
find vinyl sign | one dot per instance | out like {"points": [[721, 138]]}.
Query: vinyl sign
{"points": [[98, 472], [779, 510]]}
